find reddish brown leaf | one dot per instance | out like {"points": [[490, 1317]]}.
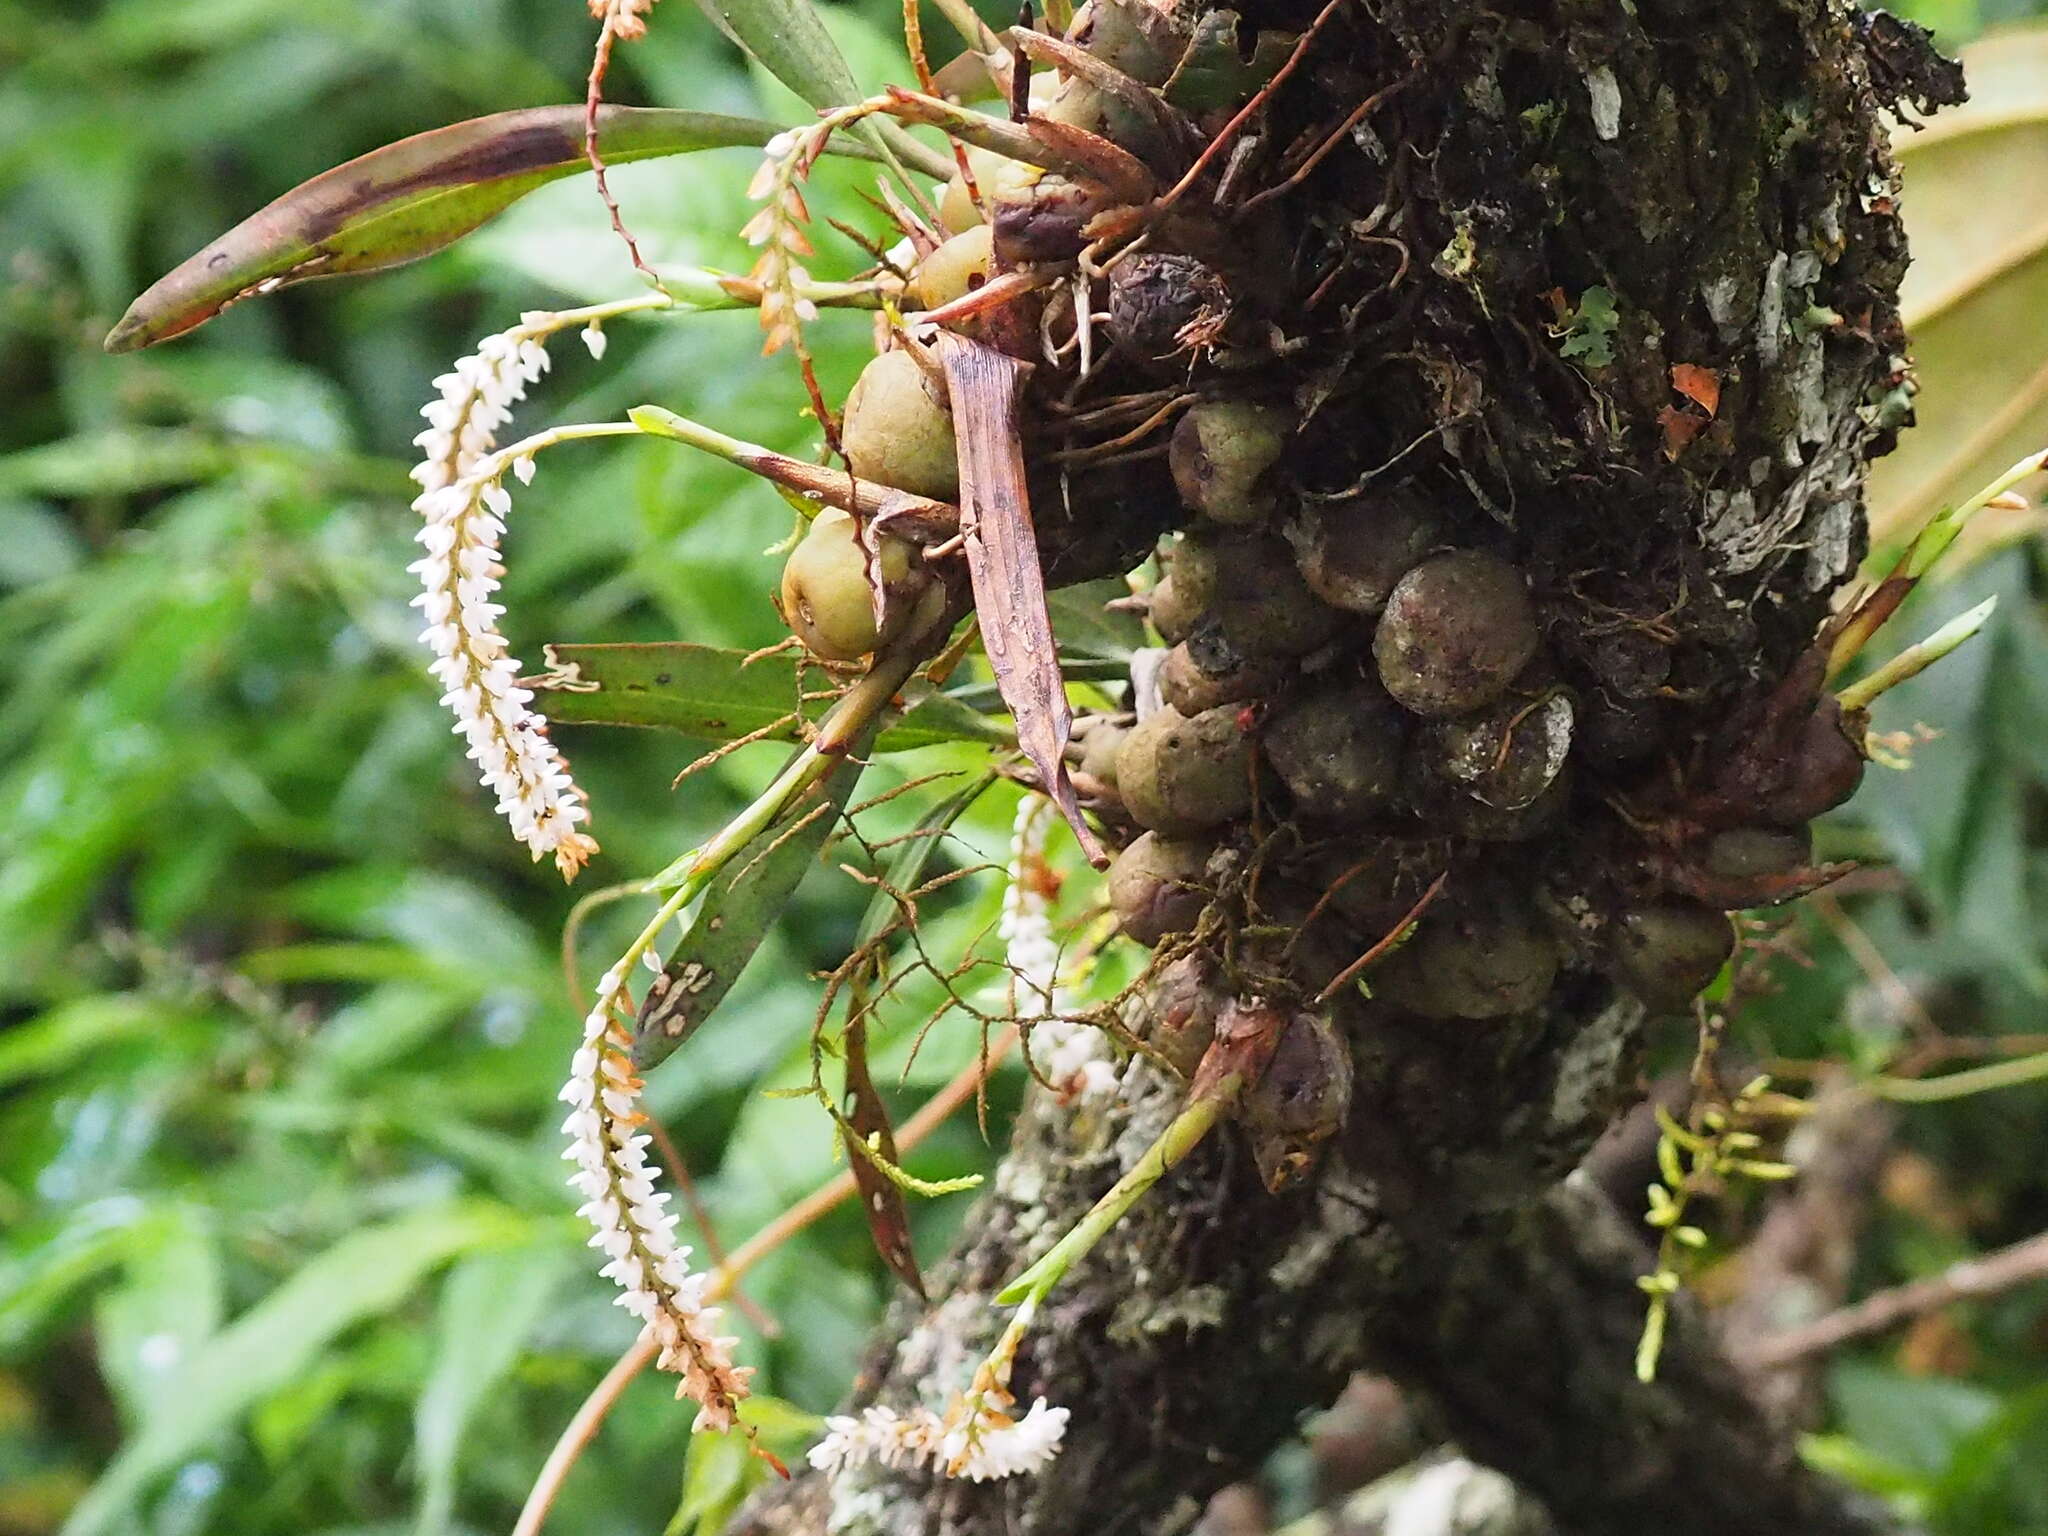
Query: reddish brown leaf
{"points": [[985, 388], [1680, 428], [867, 1119], [1700, 385]]}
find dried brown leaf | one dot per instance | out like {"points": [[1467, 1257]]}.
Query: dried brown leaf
{"points": [[868, 1119], [985, 389], [1700, 385]]}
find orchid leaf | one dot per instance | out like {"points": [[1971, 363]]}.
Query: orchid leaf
{"points": [[789, 39], [736, 913], [706, 691], [412, 198]]}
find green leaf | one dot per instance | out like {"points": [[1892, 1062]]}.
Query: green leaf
{"points": [[279, 1339], [789, 39], [73, 1031], [117, 462], [704, 691], [167, 1305], [1216, 72], [1977, 287], [410, 199], [1913, 1422], [489, 1304], [1089, 627], [723, 1468], [1593, 325], [735, 914]]}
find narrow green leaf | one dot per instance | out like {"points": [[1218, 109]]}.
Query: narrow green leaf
{"points": [[410, 199], [277, 1340], [703, 691], [489, 1305], [73, 1031], [736, 912], [116, 462], [167, 1305], [789, 39]]}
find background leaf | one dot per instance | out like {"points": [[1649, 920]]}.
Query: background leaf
{"points": [[1976, 211], [268, 1346]]}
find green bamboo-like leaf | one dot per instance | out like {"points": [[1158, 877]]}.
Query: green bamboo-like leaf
{"points": [[412, 198], [489, 1305], [703, 691], [276, 1340]]}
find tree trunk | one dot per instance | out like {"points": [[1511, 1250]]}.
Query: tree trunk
{"points": [[1622, 278]]}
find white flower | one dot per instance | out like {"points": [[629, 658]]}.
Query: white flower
{"points": [[879, 1434], [977, 1440], [1068, 1055], [631, 1222], [463, 503], [1005, 1447]]}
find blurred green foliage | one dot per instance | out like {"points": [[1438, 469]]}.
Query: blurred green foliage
{"points": [[286, 1244]]}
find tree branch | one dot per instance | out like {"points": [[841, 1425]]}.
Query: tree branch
{"points": [[1988, 1275], [1717, 178]]}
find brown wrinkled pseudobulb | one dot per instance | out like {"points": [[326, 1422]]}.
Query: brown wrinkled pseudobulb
{"points": [[1179, 775], [1667, 954], [1222, 451], [1481, 956], [827, 599], [1353, 553], [1337, 748], [1299, 1101], [1156, 886], [1455, 632]]}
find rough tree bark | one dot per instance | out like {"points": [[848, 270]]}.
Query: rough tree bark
{"points": [[1721, 171]]}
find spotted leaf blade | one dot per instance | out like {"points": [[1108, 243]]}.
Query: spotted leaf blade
{"points": [[736, 913]]}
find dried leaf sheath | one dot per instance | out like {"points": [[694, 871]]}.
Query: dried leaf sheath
{"points": [[985, 388]]}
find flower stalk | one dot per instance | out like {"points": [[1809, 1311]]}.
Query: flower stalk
{"points": [[1917, 658], [1189, 1127], [634, 1230]]}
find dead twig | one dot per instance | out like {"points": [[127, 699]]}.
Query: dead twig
{"points": [[1990, 1275]]}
